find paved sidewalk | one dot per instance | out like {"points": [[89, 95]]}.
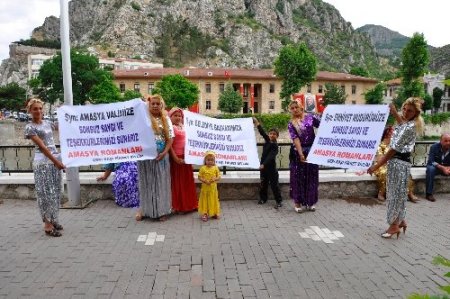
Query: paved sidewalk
{"points": [[251, 252]]}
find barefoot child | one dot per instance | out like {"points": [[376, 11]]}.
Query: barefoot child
{"points": [[209, 175]]}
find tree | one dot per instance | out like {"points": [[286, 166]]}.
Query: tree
{"points": [[85, 75], [230, 100], [334, 94], [415, 60], [12, 96], [359, 71], [131, 94], [427, 102], [375, 95], [105, 91], [296, 66], [176, 90], [437, 98]]}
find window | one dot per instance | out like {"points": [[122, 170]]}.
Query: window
{"points": [[385, 92], [353, 89], [390, 92], [343, 88], [37, 61], [245, 90], [320, 90], [221, 87], [271, 88], [34, 74], [353, 102], [122, 87], [208, 105], [137, 87], [151, 85], [208, 87], [272, 105], [308, 88]]}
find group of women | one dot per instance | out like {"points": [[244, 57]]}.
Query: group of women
{"points": [[166, 183]]}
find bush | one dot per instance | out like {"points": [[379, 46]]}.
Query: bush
{"points": [[436, 119], [135, 6], [268, 121]]}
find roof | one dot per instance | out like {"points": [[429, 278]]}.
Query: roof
{"points": [[225, 73]]}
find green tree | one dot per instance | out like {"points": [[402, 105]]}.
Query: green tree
{"points": [[375, 95], [105, 91], [131, 94], [12, 96], [230, 100], [176, 90], [296, 66], [437, 98], [415, 58], [359, 71], [334, 94], [427, 102], [85, 75]]}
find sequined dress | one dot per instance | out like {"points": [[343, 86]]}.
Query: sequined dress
{"points": [[398, 171], [208, 201], [154, 179], [304, 177], [47, 177]]}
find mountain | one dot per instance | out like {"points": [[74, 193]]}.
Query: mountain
{"points": [[389, 44], [221, 33]]}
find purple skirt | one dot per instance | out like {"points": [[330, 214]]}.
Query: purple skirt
{"points": [[125, 185], [304, 179]]}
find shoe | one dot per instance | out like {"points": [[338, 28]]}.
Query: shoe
{"points": [[57, 226], [311, 208], [381, 196], [278, 205], [394, 229], [261, 202], [403, 225], [53, 233], [430, 197], [215, 217], [138, 217], [298, 209], [204, 218], [412, 198]]}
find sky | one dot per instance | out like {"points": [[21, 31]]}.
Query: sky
{"points": [[19, 17]]}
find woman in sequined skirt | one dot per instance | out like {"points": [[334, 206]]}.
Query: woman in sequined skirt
{"points": [[409, 124], [46, 167], [304, 176], [154, 175]]}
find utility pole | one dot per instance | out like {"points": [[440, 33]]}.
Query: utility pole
{"points": [[72, 174]]}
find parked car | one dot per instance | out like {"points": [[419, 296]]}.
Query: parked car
{"points": [[23, 117]]}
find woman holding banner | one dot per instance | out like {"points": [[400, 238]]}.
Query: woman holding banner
{"points": [[409, 124], [154, 175], [46, 167], [304, 177], [184, 195]]}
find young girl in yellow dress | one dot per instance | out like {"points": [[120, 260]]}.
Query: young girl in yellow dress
{"points": [[209, 175]]}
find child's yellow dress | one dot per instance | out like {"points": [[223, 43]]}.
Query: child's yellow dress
{"points": [[208, 202]]}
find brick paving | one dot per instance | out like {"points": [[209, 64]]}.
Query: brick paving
{"points": [[251, 252]]}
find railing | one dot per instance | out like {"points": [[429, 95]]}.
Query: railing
{"points": [[16, 159]]}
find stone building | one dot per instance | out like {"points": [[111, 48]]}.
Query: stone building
{"points": [[260, 88]]}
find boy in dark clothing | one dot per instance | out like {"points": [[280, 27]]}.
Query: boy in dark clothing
{"points": [[268, 168]]}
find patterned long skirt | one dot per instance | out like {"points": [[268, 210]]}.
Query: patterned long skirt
{"points": [[125, 185], [47, 179], [396, 189], [304, 179], [184, 194], [154, 187]]}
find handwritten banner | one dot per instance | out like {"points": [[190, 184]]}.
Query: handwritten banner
{"points": [[349, 135], [106, 133], [233, 140]]}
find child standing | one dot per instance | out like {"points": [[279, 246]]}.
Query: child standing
{"points": [[209, 175], [268, 168]]}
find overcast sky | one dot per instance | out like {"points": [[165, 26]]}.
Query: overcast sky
{"points": [[19, 17]]}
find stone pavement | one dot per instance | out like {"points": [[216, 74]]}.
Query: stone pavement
{"points": [[251, 252]]}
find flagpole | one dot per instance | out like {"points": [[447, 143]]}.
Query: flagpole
{"points": [[72, 174]]}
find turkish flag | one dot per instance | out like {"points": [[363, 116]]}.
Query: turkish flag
{"points": [[227, 74]]}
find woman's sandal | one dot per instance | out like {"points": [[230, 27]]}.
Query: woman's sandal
{"points": [[57, 226], [53, 233], [204, 218], [298, 209], [138, 217]]}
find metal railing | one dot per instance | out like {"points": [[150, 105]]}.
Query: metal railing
{"points": [[17, 159]]}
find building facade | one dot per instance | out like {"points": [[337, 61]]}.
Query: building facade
{"points": [[260, 89]]}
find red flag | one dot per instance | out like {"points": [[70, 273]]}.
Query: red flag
{"points": [[227, 74]]}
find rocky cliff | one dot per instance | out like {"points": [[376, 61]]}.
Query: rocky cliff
{"points": [[233, 33]]}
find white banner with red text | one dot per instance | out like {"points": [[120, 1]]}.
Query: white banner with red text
{"points": [[232, 140], [105, 133], [348, 136]]}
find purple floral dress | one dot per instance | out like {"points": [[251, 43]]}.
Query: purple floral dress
{"points": [[304, 177], [125, 185]]}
